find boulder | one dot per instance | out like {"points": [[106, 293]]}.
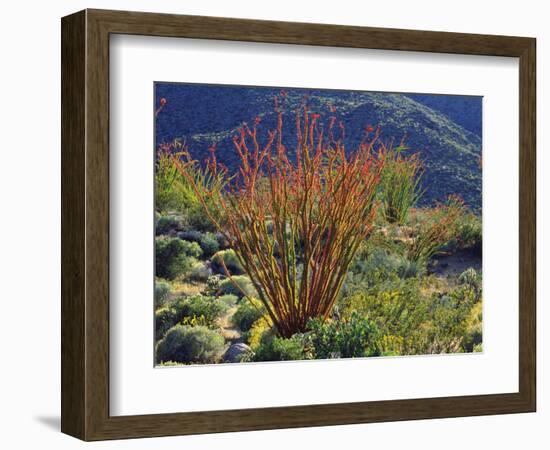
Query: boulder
{"points": [[236, 352]]}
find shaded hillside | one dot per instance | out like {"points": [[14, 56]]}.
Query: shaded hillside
{"points": [[465, 110], [207, 114]]}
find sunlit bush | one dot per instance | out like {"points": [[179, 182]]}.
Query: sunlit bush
{"points": [[350, 338], [469, 233], [391, 345], [228, 299], [169, 364], [400, 311], [474, 328], [449, 323], [239, 285], [165, 318], [199, 272], [187, 344], [400, 183], [210, 308], [248, 312], [194, 310], [470, 277], [162, 292], [213, 284], [227, 259], [280, 349], [432, 234], [259, 331], [378, 267], [411, 322], [167, 196], [173, 192]]}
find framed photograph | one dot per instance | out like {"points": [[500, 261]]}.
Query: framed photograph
{"points": [[273, 225]]}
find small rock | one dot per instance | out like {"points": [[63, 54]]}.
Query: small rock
{"points": [[236, 352]]}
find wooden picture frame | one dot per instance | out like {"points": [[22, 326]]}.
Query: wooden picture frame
{"points": [[85, 224]]}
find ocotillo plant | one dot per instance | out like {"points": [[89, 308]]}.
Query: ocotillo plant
{"points": [[295, 223], [400, 183]]}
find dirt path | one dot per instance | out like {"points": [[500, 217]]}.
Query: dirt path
{"points": [[229, 331]]}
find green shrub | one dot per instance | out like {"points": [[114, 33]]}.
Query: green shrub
{"points": [[351, 338], [165, 318], [174, 257], [166, 224], [378, 263], [245, 286], [195, 321], [379, 269], [197, 309], [413, 323], [173, 191], [399, 184], [410, 269], [198, 219], [209, 244], [259, 332], [469, 233], [213, 284], [228, 299], [167, 194], [208, 241], [471, 278], [391, 345], [384, 263], [437, 230], [209, 308], [280, 349], [449, 328], [190, 235], [200, 272], [162, 292], [248, 312], [229, 258], [474, 328], [398, 310], [186, 344], [169, 364]]}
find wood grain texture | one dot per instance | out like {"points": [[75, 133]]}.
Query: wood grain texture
{"points": [[527, 223], [73, 276], [85, 224]]}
